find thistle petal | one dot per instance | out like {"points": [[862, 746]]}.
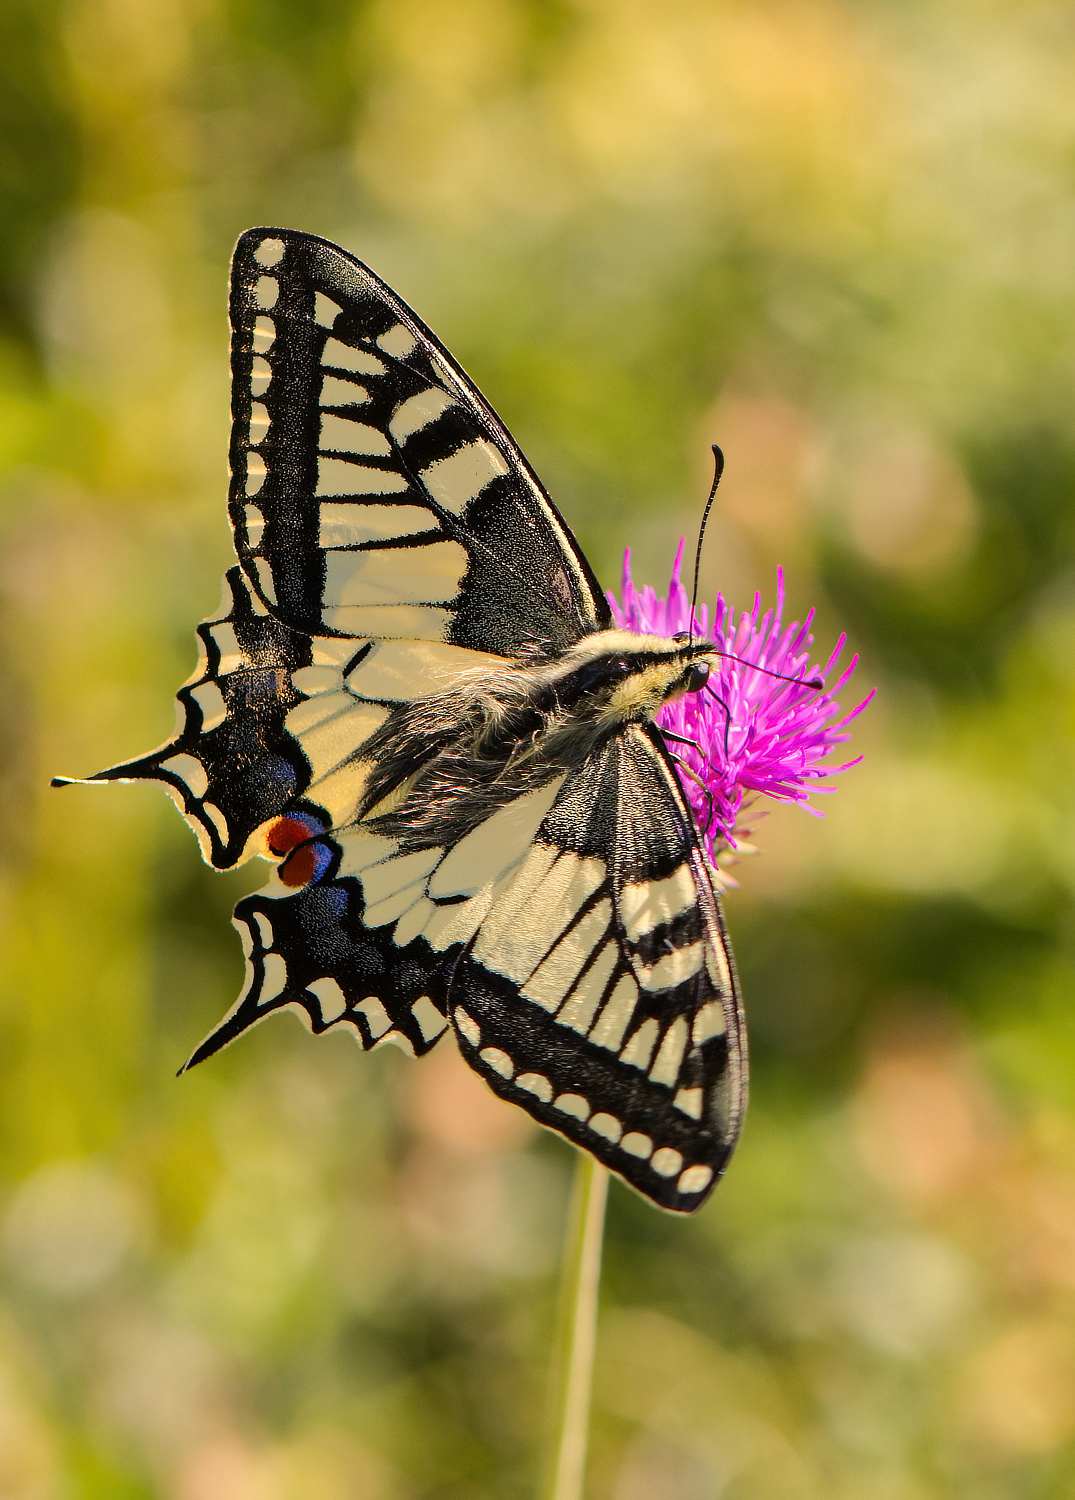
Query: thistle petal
{"points": [[752, 734]]}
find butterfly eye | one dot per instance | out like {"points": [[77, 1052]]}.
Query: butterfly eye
{"points": [[697, 676], [681, 636]]}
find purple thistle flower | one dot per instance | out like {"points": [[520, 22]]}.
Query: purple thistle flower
{"points": [[774, 736]]}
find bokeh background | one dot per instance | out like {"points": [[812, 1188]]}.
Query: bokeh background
{"points": [[838, 236]]}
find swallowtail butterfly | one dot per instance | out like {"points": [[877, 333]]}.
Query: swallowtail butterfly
{"points": [[414, 702]]}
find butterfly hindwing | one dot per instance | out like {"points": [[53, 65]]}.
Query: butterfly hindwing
{"points": [[374, 492], [272, 723], [370, 944], [232, 765]]}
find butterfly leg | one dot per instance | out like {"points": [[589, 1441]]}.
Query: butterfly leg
{"points": [[727, 717], [680, 739], [710, 813]]}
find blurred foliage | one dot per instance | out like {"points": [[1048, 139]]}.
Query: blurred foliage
{"points": [[834, 236]]}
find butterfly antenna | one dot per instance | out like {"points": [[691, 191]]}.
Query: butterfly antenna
{"points": [[718, 470], [810, 682]]}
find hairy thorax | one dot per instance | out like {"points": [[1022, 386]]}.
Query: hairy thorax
{"points": [[441, 764]]}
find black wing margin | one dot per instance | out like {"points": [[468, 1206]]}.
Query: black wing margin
{"points": [[374, 491]]}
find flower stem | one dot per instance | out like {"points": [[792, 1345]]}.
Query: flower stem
{"points": [[574, 1351]]}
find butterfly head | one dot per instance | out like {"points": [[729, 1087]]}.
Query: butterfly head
{"points": [[619, 676]]}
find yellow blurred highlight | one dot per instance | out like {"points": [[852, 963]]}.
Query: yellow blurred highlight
{"points": [[1020, 1391]]}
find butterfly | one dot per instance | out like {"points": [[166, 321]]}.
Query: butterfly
{"points": [[414, 702]]}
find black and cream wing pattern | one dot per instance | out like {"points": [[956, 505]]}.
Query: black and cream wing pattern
{"points": [[413, 702]]}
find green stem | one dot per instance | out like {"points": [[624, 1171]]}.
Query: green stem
{"points": [[573, 1356]]}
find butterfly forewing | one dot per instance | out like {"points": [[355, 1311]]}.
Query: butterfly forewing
{"points": [[233, 766], [599, 992], [374, 492]]}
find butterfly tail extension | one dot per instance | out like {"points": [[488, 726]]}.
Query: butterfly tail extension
{"points": [[310, 952]]}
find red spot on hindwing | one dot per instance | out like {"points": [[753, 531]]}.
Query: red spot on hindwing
{"points": [[301, 867], [297, 840], [285, 833]]}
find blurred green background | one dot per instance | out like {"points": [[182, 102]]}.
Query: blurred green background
{"points": [[838, 236]]}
